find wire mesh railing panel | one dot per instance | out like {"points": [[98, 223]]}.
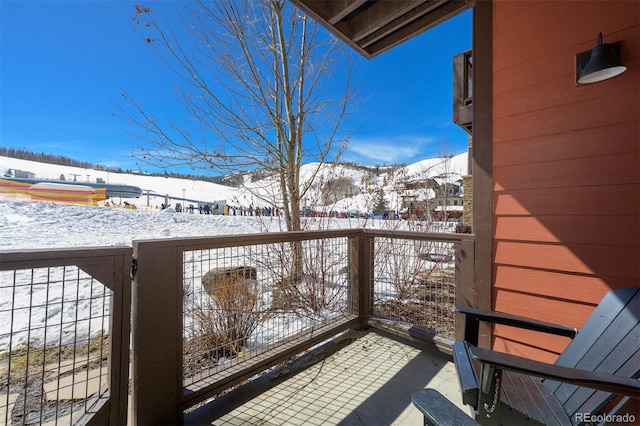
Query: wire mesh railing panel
{"points": [[240, 302], [54, 330], [414, 282]]}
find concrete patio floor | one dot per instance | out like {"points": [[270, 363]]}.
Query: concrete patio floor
{"points": [[367, 382]]}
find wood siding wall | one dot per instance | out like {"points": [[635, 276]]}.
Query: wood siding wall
{"points": [[566, 172]]}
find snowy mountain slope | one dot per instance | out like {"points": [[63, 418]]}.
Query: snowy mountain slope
{"points": [[335, 187]]}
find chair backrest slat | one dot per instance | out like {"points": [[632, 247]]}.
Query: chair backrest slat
{"points": [[606, 343], [586, 400], [605, 313]]}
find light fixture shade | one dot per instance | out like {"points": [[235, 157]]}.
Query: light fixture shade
{"points": [[604, 63]]}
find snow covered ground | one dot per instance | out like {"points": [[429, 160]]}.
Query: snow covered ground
{"points": [[34, 225]]}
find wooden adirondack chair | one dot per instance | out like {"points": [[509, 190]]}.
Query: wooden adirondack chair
{"points": [[601, 363]]}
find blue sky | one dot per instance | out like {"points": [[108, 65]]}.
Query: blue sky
{"points": [[64, 65]]}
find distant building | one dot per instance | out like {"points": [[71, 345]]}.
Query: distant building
{"points": [[21, 174], [433, 198]]}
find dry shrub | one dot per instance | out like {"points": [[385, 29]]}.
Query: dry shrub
{"points": [[285, 295], [229, 315], [429, 305], [223, 317]]}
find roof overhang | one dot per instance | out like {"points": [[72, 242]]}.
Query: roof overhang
{"points": [[372, 27]]}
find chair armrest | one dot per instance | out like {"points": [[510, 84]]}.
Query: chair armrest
{"points": [[466, 372], [591, 379], [439, 411], [474, 315]]}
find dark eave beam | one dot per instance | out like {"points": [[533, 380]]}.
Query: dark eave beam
{"points": [[378, 17], [437, 14], [346, 7], [372, 27]]}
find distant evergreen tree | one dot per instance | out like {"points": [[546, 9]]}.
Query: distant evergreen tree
{"points": [[381, 204]]}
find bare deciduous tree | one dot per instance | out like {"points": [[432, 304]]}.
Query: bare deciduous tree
{"points": [[254, 80]]}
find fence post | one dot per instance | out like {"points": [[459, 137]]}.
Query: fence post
{"points": [[157, 334], [365, 264], [119, 346], [465, 289], [353, 298]]}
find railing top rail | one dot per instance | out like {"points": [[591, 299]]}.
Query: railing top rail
{"points": [[59, 257], [435, 236], [63, 255], [235, 240]]}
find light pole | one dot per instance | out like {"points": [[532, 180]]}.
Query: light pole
{"points": [[184, 202]]}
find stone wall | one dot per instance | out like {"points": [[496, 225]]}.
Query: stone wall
{"points": [[467, 200]]}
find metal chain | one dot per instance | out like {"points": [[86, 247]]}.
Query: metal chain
{"points": [[491, 409]]}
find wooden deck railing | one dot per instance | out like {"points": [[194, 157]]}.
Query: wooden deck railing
{"points": [[207, 314], [64, 336]]}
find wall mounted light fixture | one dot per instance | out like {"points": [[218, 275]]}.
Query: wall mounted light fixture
{"points": [[600, 63]]}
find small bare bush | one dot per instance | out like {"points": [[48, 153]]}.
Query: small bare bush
{"points": [[233, 297], [314, 285], [225, 316]]}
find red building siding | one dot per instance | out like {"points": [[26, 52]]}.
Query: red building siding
{"points": [[566, 165]]}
